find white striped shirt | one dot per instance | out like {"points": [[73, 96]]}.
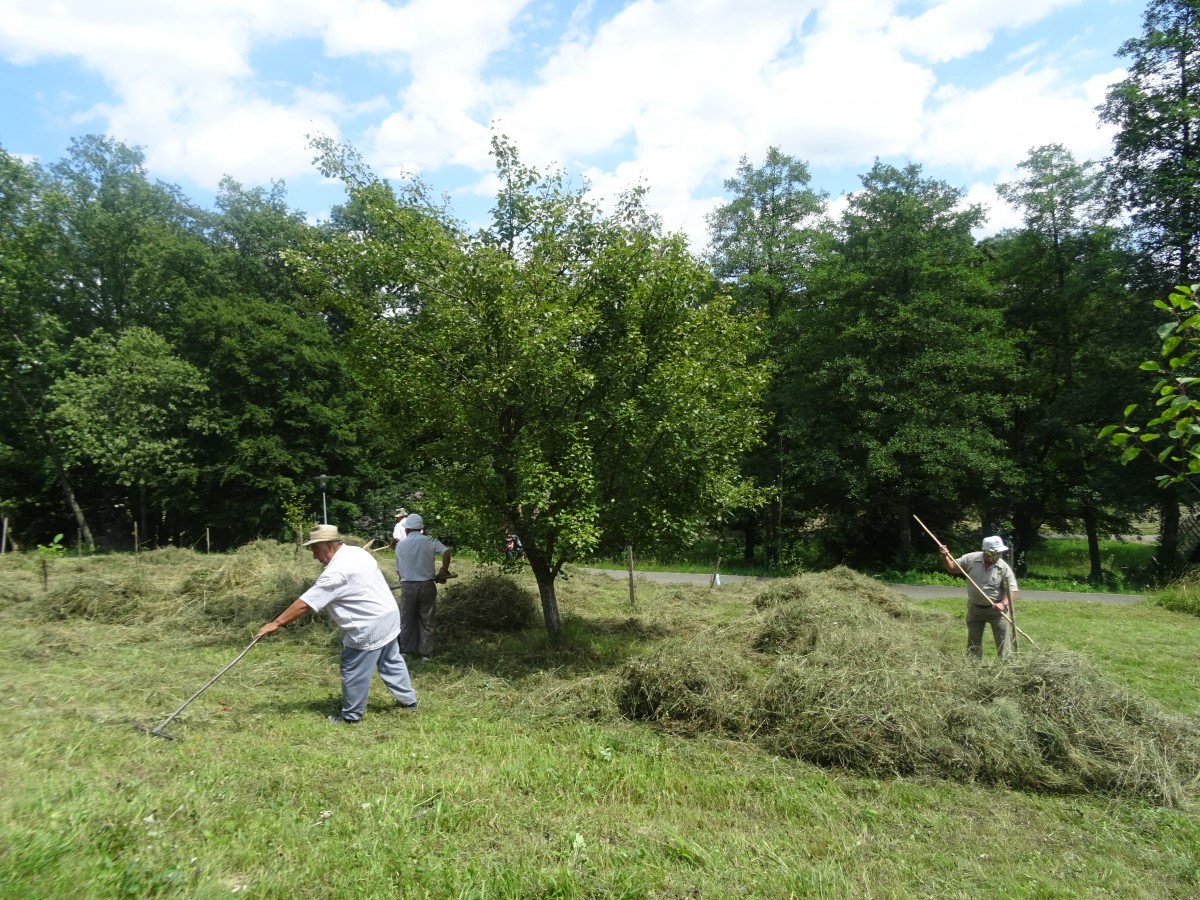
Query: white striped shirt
{"points": [[357, 597]]}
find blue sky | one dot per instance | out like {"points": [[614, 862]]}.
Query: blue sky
{"points": [[671, 93]]}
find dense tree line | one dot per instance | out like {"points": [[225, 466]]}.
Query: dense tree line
{"points": [[578, 376]]}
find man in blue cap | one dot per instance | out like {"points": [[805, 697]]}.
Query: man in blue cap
{"points": [[418, 585]]}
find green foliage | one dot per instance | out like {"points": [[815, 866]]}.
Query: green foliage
{"points": [[1170, 436], [296, 518], [895, 366], [567, 375], [52, 550], [131, 407]]}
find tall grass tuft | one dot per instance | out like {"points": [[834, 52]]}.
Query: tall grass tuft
{"points": [[1182, 594]]}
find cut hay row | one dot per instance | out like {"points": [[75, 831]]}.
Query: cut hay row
{"points": [[839, 670]]}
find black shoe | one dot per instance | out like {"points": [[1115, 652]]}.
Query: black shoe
{"points": [[409, 707], [338, 720]]}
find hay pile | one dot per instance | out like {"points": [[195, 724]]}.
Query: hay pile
{"points": [[486, 602], [840, 670], [177, 588]]}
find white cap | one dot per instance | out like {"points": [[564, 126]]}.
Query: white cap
{"points": [[994, 544], [415, 522]]}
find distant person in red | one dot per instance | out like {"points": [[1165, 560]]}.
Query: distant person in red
{"points": [[990, 590]]}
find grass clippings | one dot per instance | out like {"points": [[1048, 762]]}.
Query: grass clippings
{"points": [[837, 670]]}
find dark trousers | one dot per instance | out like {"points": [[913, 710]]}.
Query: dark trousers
{"points": [[417, 601]]}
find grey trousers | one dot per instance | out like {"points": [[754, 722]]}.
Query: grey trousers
{"points": [[417, 601], [978, 617], [357, 666]]}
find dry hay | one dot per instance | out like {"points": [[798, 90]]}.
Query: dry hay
{"points": [[176, 587], [486, 602], [842, 671]]}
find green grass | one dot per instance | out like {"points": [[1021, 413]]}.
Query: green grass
{"points": [[517, 778], [1058, 564]]}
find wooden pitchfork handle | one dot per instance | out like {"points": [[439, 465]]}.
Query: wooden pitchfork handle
{"points": [[1003, 612]]}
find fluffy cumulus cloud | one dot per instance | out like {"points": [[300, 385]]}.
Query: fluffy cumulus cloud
{"points": [[666, 92]]}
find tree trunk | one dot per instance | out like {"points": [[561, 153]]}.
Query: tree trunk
{"points": [[1024, 537], [1167, 558], [1093, 540], [545, 574], [59, 470], [904, 526], [749, 539]]}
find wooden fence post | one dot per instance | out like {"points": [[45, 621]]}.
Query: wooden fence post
{"points": [[629, 561]]}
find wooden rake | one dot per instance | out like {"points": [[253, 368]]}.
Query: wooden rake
{"points": [[157, 731], [1003, 612]]}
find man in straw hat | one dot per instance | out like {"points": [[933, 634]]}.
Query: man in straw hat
{"points": [[360, 603], [991, 585], [398, 528]]}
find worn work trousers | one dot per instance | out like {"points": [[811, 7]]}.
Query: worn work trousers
{"points": [[357, 666], [417, 601], [978, 617]]}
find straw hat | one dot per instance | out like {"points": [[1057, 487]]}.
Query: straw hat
{"points": [[322, 533]]}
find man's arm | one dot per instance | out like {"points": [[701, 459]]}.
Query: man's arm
{"points": [[948, 561], [293, 612]]}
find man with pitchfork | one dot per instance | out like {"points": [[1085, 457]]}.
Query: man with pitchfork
{"points": [[991, 585]]}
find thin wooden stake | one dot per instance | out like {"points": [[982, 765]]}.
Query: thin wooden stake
{"points": [[629, 562]]}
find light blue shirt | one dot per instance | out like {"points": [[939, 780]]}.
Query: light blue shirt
{"points": [[415, 557]]}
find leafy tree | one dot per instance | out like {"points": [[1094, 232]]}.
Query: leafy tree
{"points": [[1155, 166], [131, 249], [285, 409], [1154, 171], [762, 244], [894, 382], [1078, 332], [129, 408], [569, 375], [762, 239], [31, 341]]}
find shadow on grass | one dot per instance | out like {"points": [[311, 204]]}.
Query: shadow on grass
{"points": [[585, 647]]}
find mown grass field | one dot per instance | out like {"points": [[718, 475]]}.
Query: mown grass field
{"points": [[519, 776]]}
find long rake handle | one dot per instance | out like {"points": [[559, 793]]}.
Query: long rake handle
{"points": [[1004, 613], [167, 721]]}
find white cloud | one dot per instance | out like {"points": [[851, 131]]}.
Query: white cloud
{"points": [[955, 28], [997, 125], [669, 92]]}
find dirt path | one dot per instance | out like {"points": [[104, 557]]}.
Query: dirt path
{"points": [[916, 591]]}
